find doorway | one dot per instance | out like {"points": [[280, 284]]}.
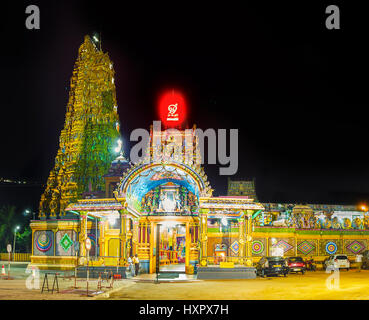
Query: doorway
{"points": [[171, 247]]}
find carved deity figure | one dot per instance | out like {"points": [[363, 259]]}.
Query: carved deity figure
{"points": [[178, 201]]}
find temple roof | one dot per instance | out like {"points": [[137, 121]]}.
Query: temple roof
{"points": [[118, 166]]}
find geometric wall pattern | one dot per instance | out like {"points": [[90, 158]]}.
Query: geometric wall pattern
{"points": [[235, 247], [43, 244], [330, 246], [64, 242], [354, 246], [259, 247], [307, 247]]}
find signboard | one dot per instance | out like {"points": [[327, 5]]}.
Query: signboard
{"points": [[9, 248], [172, 108], [88, 244]]}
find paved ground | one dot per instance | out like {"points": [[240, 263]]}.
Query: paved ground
{"points": [[17, 289], [312, 285]]}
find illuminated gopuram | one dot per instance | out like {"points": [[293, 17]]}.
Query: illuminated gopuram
{"points": [[91, 130], [86, 150]]}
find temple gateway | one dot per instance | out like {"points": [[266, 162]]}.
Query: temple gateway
{"points": [[162, 208]]}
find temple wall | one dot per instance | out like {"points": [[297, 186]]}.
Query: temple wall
{"points": [[305, 243]]}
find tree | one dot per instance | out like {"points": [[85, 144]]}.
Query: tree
{"points": [[9, 219]]}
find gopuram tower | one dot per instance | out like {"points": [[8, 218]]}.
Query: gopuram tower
{"points": [[89, 140]]}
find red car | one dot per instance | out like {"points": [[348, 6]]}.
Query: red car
{"points": [[296, 264]]}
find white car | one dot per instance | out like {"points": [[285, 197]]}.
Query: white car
{"points": [[337, 261]]}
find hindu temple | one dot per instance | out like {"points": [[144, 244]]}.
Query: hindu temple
{"points": [[162, 207]]}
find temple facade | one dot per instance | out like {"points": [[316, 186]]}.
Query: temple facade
{"points": [[162, 207]]}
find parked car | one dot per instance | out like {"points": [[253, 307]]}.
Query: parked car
{"points": [[296, 264], [268, 266], [337, 261]]}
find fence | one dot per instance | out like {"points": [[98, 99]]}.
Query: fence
{"points": [[21, 257]]}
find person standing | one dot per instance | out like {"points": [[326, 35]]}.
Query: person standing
{"points": [[131, 267], [136, 262], [359, 261]]}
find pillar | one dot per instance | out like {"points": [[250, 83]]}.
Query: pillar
{"points": [[83, 235], [194, 244], [135, 236], [188, 246], [143, 248], [129, 237], [242, 240], [249, 237], [203, 237], [102, 225], [123, 238]]}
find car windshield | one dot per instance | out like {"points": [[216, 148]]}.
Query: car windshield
{"points": [[341, 257], [295, 259], [275, 259]]}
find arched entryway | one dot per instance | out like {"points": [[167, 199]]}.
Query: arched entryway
{"points": [[165, 199]]}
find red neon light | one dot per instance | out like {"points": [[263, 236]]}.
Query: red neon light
{"points": [[172, 108]]}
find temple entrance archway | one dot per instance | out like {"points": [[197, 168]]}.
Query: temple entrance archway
{"points": [[165, 200]]}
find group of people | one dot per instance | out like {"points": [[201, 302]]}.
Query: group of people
{"points": [[134, 265]]}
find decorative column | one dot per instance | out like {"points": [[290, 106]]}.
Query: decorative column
{"points": [[129, 237], [135, 236], [123, 237], [249, 237], [242, 240], [194, 248], [102, 224], [83, 235], [187, 260], [143, 249], [203, 237]]}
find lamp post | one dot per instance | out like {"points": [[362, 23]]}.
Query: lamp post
{"points": [[15, 232], [27, 212]]}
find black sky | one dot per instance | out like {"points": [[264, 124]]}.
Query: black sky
{"points": [[296, 91]]}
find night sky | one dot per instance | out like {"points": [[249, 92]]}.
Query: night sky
{"points": [[296, 91]]}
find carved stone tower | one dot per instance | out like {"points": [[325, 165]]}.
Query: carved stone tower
{"points": [[89, 140]]}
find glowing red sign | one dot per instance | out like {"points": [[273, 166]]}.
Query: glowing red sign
{"points": [[172, 108]]}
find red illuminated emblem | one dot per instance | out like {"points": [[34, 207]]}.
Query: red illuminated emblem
{"points": [[172, 112], [172, 108]]}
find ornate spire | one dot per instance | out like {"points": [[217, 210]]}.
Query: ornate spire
{"points": [[91, 130]]}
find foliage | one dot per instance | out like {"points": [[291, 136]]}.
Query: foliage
{"points": [[10, 217]]}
